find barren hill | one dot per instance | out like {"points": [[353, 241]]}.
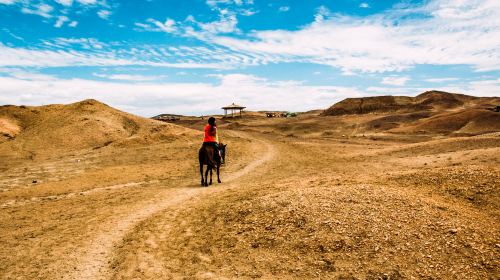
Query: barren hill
{"points": [[430, 112], [81, 125], [429, 100]]}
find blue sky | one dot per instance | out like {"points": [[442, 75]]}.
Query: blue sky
{"points": [[192, 57]]}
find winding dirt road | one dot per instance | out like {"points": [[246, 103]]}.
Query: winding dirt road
{"points": [[93, 260]]}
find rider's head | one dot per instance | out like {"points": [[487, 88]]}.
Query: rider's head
{"points": [[211, 121]]}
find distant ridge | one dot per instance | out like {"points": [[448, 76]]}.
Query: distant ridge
{"points": [[434, 112], [429, 100]]}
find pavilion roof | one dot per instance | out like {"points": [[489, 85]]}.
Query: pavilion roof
{"points": [[233, 106]]}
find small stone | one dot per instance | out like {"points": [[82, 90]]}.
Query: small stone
{"points": [[453, 231]]}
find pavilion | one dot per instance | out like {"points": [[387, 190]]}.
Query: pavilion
{"points": [[232, 108]]}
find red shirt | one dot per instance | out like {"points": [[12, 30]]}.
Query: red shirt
{"points": [[210, 135]]}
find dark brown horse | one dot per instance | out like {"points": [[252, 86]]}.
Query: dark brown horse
{"points": [[209, 156]]}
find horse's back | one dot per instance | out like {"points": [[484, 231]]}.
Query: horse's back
{"points": [[206, 155]]}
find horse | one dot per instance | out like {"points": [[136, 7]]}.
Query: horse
{"points": [[207, 155]]}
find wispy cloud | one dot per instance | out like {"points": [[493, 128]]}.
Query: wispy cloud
{"points": [[66, 3], [129, 77], [8, 2], [441, 80], [148, 99], [41, 9], [439, 33], [58, 10], [60, 21], [395, 81], [284, 9], [94, 56], [169, 26], [104, 14], [364, 5]]}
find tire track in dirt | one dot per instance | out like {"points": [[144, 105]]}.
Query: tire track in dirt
{"points": [[92, 261]]}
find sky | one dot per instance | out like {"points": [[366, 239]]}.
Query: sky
{"points": [[192, 57]]}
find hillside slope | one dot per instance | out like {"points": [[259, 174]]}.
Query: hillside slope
{"points": [[81, 125], [427, 101], [430, 112]]}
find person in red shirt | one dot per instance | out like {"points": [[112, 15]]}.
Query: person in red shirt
{"points": [[211, 137]]}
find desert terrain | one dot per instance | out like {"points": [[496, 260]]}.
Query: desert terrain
{"points": [[369, 188]]}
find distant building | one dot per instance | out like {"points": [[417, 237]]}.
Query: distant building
{"points": [[232, 108], [167, 118], [280, 114]]}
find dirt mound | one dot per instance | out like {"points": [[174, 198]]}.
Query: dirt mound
{"points": [[81, 125], [467, 121], [371, 104], [443, 100], [429, 100], [472, 184]]}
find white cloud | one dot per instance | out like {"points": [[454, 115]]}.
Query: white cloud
{"points": [[395, 81], [322, 13], [248, 12], [284, 9], [58, 9], [216, 3], [8, 2], [26, 75], [66, 3], [73, 24], [364, 5], [60, 21], [152, 98], [148, 99], [42, 10], [22, 57], [169, 26], [104, 14], [441, 80], [226, 24], [128, 77], [87, 2], [447, 32], [86, 43]]}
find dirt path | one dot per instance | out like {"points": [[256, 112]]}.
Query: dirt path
{"points": [[92, 261]]}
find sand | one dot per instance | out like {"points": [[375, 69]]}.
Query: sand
{"points": [[306, 197]]}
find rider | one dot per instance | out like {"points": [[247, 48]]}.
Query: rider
{"points": [[211, 137]]}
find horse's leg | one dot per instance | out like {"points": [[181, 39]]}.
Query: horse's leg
{"points": [[218, 176], [201, 173], [210, 176], [206, 176]]}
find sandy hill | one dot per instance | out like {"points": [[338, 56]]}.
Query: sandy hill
{"points": [[427, 101], [81, 125], [430, 112]]}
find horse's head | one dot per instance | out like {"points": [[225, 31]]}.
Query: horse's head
{"points": [[222, 148]]}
